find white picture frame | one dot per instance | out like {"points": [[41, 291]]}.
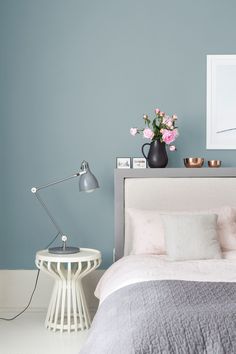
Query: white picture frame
{"points": [[123, 162], [221, 102], [139, 162]]}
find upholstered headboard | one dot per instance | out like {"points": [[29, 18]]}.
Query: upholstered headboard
{"points": [[169, 189]]}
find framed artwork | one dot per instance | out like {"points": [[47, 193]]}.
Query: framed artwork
{"points": [[123, 162], [221, 102], [139, 162]]}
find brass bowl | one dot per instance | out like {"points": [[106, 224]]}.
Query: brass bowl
{"points": [[194, 162], [214, 163]]}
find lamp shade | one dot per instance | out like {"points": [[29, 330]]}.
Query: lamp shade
{"points": [[87, 182]]}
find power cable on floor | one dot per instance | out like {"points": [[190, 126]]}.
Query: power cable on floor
{"points": [[32, 294]]}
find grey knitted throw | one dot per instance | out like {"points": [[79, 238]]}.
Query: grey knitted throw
{"points": [[168, 317]]}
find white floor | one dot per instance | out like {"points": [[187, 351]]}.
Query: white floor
{"points": [[27, 335]]}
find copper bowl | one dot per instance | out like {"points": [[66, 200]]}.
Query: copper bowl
{"points": [[194, 162], [214, 163]]}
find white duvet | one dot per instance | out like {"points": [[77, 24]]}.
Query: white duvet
{"points": [[138, 268]]}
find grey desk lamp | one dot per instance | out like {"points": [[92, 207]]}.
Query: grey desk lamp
{"points": [[87, 183]]}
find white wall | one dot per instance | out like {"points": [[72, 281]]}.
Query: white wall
{"points": [[16, 287]]}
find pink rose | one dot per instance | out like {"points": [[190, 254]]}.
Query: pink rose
{"points": [[157, 110], [172, 148], [168, 121], [148, 133], [169, 136], [133, 131], [162, 114]]}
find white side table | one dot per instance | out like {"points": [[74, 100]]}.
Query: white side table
{"points": [[67, 308]]}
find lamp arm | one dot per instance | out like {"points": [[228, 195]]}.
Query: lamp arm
{"points": [[36, 189], [49, 213]]}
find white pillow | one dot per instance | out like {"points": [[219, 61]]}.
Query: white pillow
{"points": [[191, 237], [145, 232]]}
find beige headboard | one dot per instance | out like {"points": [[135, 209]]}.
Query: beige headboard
{"points": [[169, 189]]}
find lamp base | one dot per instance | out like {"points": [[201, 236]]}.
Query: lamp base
{"points": [[64, 250]]}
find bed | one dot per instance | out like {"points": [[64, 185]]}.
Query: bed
{"points": [[172, 287]]}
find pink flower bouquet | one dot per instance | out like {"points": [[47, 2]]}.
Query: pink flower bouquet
{"points": [[162, 127]]}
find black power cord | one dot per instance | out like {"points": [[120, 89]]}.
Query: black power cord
{"points": [[32, 294]]}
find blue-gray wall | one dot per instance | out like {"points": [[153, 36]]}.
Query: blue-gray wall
{"points": [[74, 77]]}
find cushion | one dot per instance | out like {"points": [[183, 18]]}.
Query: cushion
{"points": [[191, 237], [226, 227], [145, 229], [146, 233]]}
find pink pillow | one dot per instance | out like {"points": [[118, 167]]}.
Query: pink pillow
{"points": [[226, 227], [147, 231]]}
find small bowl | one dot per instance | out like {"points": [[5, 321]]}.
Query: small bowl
{"points": [[193, 162], [214, 163]]}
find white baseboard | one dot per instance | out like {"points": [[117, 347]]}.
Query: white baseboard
{"points": [[16, 287]]}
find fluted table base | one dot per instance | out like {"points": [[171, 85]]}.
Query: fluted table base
{"points": [[68, 309]]}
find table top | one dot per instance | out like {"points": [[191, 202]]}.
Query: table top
{"points": [[85, 254]]}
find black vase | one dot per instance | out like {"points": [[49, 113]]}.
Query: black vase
{"points": [[157, 155]]}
